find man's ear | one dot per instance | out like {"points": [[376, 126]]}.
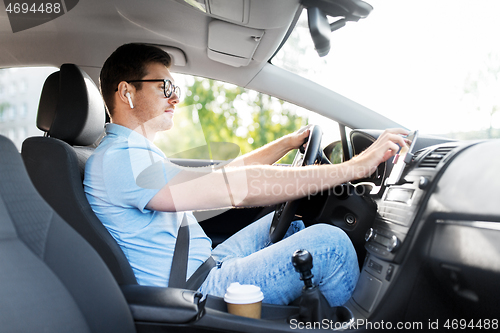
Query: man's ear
{"points": [[126, 94]]}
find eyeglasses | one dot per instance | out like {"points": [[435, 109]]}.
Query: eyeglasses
{"points": [[168, 87]]}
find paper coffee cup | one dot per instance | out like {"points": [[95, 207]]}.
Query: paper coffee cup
{"points": [[244, 300]]}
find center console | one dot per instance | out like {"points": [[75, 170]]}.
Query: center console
{"points": [[157, 309], [398, 208]]}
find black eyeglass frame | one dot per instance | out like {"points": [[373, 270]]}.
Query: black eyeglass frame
{"points": [[167, 85]]}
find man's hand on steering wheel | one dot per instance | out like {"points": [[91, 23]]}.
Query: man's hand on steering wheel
{"points": [[300, 137], [308, 140]]}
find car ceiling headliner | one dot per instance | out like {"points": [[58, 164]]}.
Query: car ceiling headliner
{"points": [[88, 34], [93, 29]]}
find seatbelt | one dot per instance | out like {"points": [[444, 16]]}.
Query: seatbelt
{"points": [[199, 276], [178, 270]]}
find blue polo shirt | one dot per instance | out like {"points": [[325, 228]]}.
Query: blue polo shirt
{"points": [[118, 189]]}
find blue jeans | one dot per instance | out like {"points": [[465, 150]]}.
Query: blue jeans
{"points": [[248, 257]]}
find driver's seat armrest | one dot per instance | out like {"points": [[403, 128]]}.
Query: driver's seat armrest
{"points": [[161, 304]]}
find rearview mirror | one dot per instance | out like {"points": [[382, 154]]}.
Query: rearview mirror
{"points": [[319, 29]]}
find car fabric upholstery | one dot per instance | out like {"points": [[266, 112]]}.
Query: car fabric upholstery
{"points": [[71, 108], [71, 112], [51, 279]]}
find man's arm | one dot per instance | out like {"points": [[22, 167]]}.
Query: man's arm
{"points": [[262, 185], [273, 151]]}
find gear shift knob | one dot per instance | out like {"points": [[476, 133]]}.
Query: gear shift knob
{"points": [[302, 261]]}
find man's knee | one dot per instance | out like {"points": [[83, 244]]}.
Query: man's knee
{"points": [[329, 232], [332, 237]]}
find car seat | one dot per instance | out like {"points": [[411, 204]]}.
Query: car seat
{"points": [[72, 115], [51, 280]]}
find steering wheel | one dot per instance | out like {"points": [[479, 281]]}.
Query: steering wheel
{"points": [[285, 212]]}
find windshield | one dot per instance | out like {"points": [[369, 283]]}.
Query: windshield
{"points": [[428, 65]]}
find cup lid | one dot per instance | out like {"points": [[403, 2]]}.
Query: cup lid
{"points": [[243, 294]]}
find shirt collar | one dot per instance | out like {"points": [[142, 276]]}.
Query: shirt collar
{"points": [[131, 136]]}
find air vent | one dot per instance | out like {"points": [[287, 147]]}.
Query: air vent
{"points": [[433, 159], [417, 154]]}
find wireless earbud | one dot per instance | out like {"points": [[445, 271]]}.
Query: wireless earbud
{"points": [[129, 100]]}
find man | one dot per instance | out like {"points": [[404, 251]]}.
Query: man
{"points": [[141, 197]]}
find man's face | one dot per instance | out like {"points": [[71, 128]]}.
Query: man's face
{"points": [[152, 108]]}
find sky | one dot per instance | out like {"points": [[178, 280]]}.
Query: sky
{"points": [[410, 60]]}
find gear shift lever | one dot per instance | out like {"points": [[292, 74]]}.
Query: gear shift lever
{"points": [[313, 306], [302, 261]]}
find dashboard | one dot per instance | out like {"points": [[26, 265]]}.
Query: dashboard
{"points": [[420, 245], [428, 244]]}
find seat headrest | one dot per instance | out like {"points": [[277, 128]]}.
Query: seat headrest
{"points": [[71, 107]]}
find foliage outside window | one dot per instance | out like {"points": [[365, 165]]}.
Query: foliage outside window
{"points": [[216, 112], [215, 121]]}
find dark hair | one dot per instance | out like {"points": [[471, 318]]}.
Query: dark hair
{"points": [[128, 62]]}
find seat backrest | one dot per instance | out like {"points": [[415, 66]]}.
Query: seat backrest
{"points": [[51, 279], [72, 114]]}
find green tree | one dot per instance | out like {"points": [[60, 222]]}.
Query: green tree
{"points": [[271, 120], [215, 112]]}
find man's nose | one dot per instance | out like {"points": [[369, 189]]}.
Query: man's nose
{"points": [[174, 99]]}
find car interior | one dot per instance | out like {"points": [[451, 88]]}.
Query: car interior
{"points": [[425, 224]]}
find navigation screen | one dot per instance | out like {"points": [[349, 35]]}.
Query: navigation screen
{"points": [[402, 158]]}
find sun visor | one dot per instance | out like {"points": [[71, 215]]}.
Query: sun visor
{"points": [[177, 55], [232, 44], [227, 10]]}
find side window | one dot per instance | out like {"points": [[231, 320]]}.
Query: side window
{"points": [[219, 121], [20, 90]]}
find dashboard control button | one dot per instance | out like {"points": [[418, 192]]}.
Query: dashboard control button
{"points": [[349, 219], [423, 182], [375, 266], [390, 270], [369, 234], [393, 244]]}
